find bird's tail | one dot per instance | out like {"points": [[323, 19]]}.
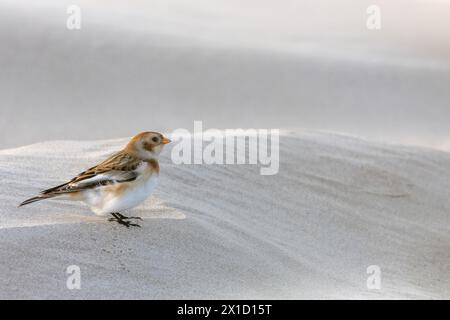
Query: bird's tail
{"points": [[34, 199]]}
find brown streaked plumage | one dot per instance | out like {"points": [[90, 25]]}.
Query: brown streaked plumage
{"points": [[110, 184]]}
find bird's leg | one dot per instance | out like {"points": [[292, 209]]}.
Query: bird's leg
{"points": [[122, 220], [121, 216]]}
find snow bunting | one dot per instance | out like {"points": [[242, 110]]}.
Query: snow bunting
{"points": [[121, 182]]}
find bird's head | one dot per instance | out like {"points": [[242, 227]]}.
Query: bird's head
{"points": [[147, 145]]}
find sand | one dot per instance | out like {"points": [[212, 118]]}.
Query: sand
{"points": [[160, 65], [338, 205]]}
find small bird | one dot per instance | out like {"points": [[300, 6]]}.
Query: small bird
{"points": [[121, 182]]}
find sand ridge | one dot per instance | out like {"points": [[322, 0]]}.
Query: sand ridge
{"points": [[337, 205]]}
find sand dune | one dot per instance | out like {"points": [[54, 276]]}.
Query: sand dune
{"points": [[258, 64], [338, 205]]}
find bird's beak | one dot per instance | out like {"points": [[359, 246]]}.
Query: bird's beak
{"points": [[165, 140]]}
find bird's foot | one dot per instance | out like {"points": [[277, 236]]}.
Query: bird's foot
{"points": [[121, 219], [121, 216]]}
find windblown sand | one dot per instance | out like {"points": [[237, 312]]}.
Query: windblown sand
{"points": [[337, 206]]}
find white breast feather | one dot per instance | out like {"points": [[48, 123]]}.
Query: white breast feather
{"points": [[102, 201]]}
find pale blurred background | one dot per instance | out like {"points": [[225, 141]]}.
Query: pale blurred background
{"points": [[160, 65]]}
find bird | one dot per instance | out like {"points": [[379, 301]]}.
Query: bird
{"points": [[121, 182]]}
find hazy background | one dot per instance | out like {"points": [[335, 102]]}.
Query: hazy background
{"points": [[160, 65]]}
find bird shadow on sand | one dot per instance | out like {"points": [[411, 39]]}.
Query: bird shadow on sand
{"points": [[60, 212]]}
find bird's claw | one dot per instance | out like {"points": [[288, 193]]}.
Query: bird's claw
{"points": [[122, 221]]}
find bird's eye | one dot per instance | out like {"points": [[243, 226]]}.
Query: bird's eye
{"points": [[155, 139]]}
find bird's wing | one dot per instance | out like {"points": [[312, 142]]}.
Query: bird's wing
{"points": [[119, 168]]}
